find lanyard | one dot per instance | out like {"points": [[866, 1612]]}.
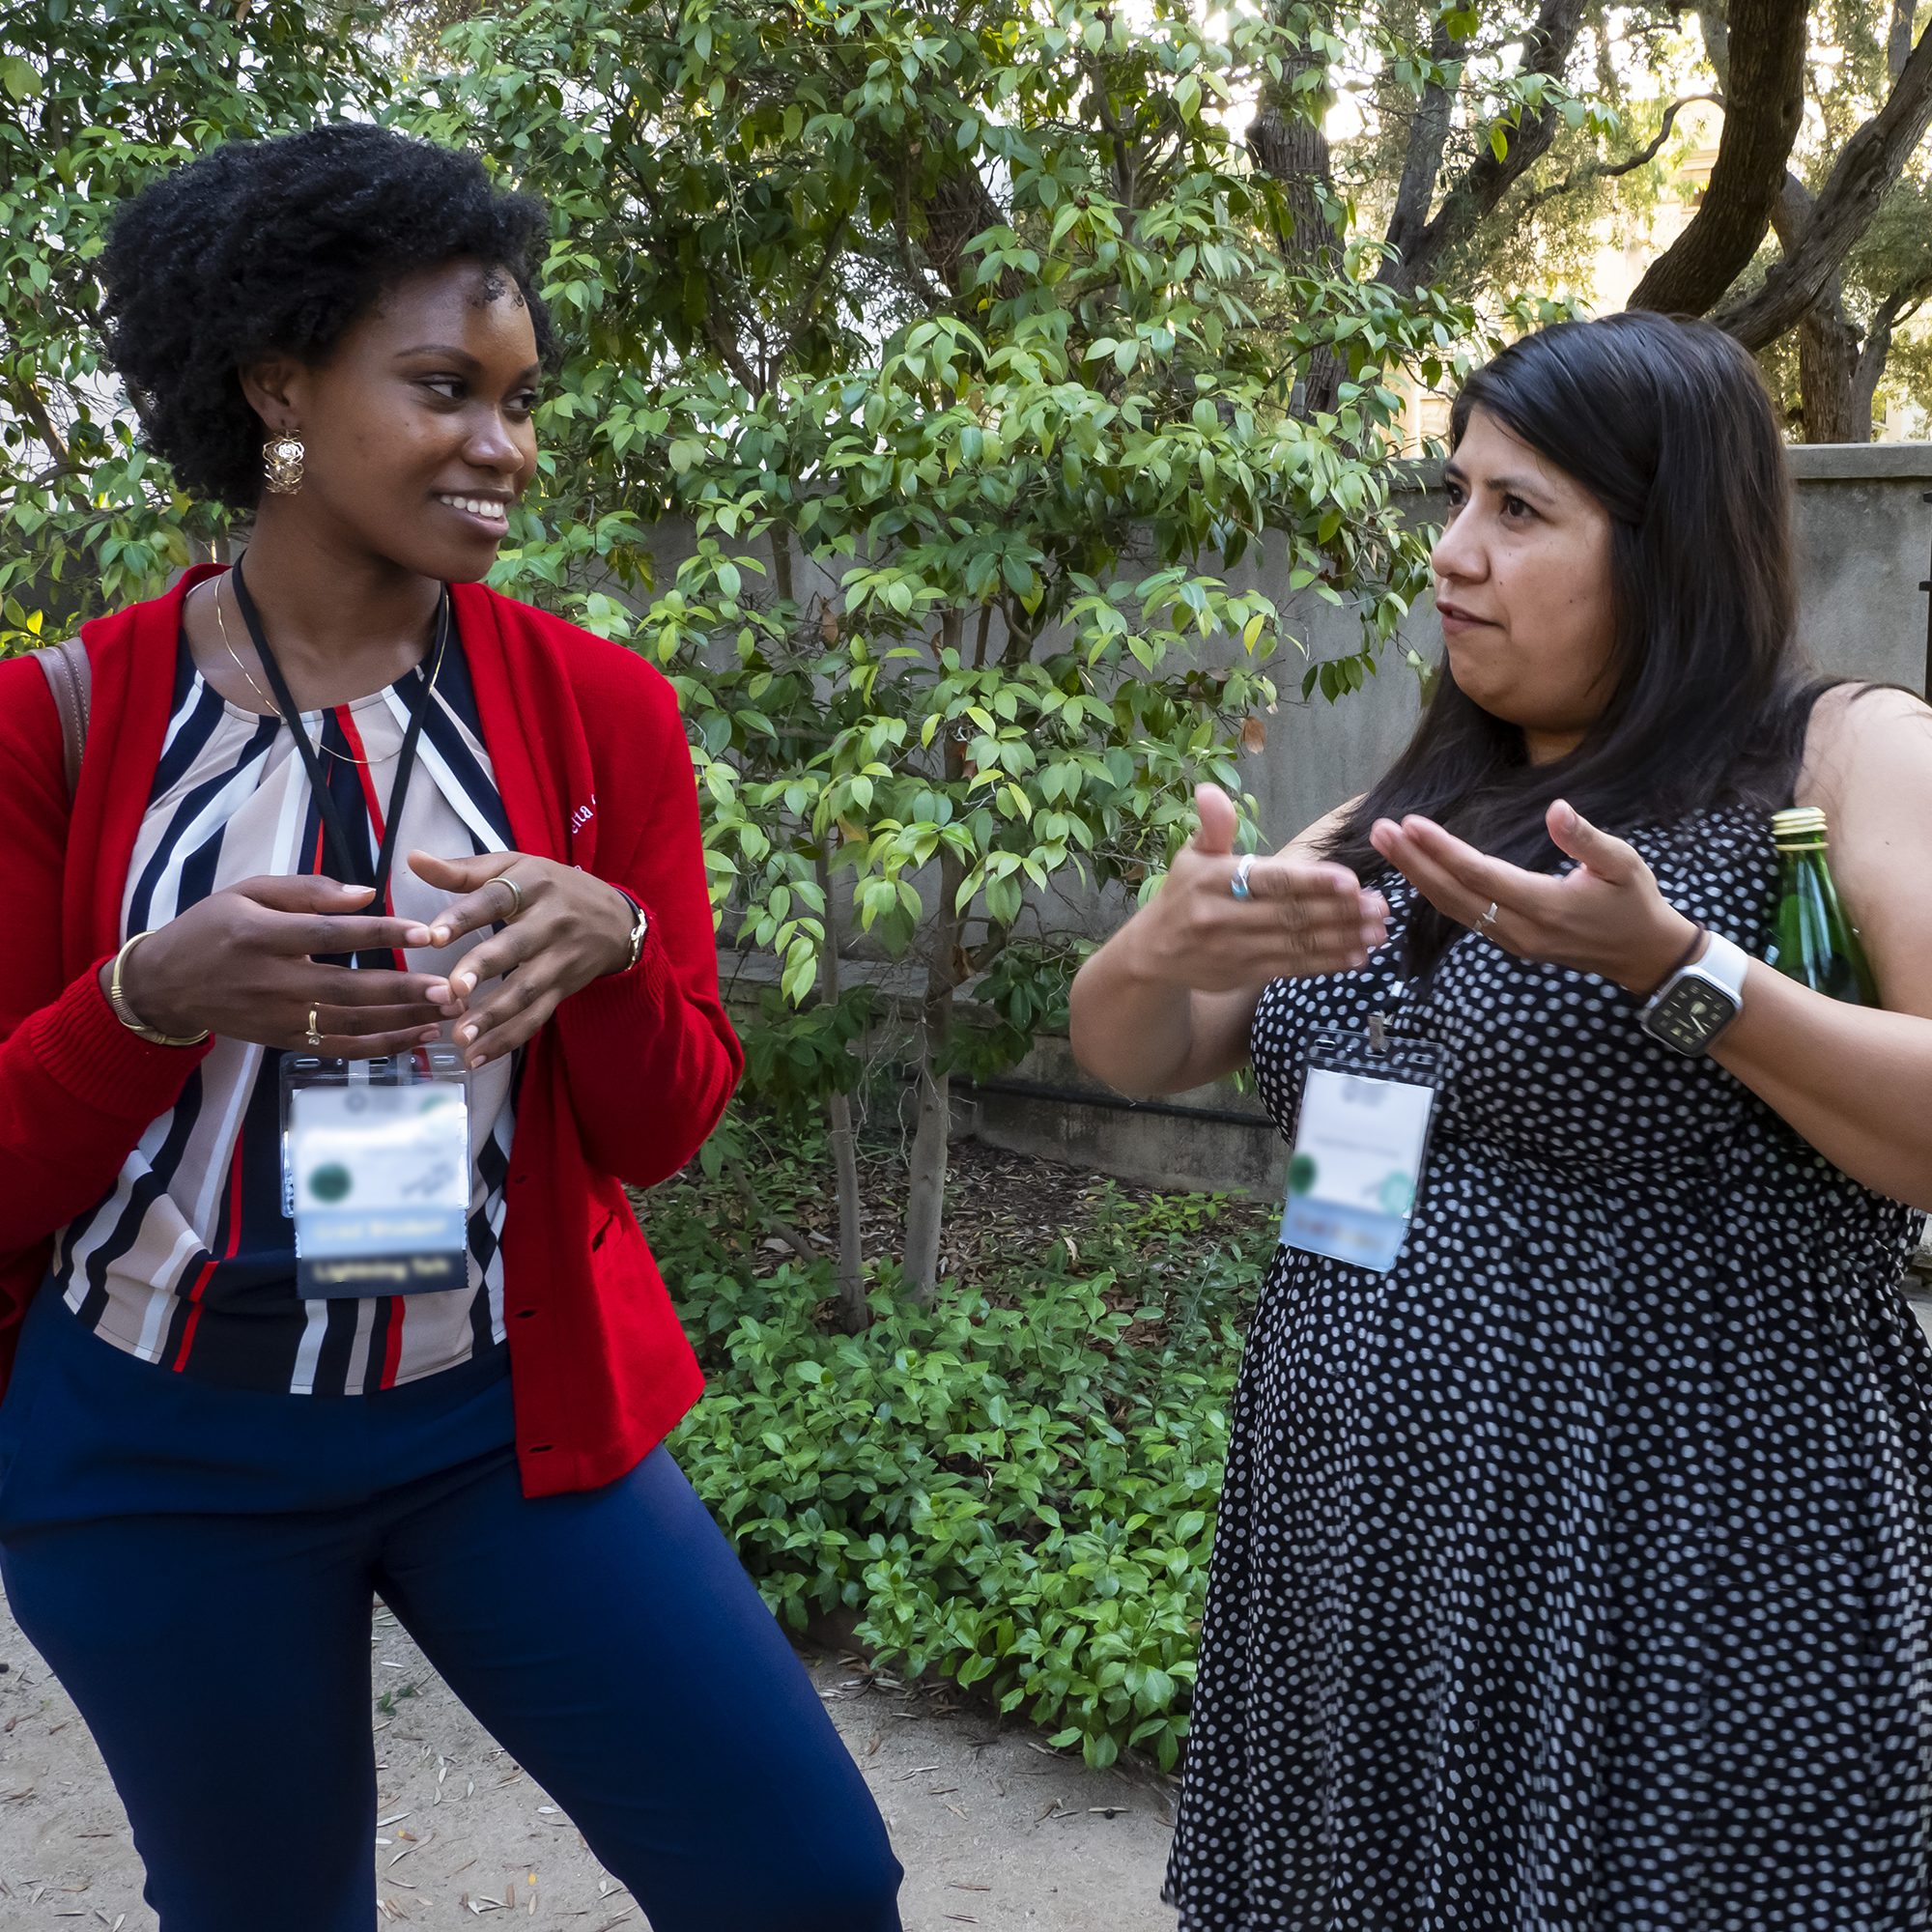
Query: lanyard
{"points": [[333, 827]]}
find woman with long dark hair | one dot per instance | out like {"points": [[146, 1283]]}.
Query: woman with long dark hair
{"points": [[377, 901], [1571, 1570]]}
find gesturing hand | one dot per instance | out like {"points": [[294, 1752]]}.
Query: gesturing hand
{"points": [[1606, 917], [1300, 916], [567, 928], [240, 963]]}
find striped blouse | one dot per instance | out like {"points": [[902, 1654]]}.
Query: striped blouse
{"points": [[189, 1261]]}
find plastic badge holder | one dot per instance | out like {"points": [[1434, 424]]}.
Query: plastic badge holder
{"points": [[375, 1171], [1361, 1137]]}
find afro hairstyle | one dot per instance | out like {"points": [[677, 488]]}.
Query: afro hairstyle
{"points": [[278, 246]]}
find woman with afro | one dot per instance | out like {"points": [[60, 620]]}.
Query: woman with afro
{"points": [[342, 807]]}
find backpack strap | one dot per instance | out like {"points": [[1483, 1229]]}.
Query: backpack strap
{"points": [[71, 678]]}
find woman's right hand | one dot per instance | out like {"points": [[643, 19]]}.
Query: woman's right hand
{"points": [[1302, 915], [240, 964]]}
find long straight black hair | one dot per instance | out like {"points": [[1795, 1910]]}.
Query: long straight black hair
{"points": [[1668, 426]]}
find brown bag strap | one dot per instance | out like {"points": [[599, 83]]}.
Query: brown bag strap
{"points": [[71, 678]]}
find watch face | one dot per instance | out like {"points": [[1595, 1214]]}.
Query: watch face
{"points": [[1692, 1014]]}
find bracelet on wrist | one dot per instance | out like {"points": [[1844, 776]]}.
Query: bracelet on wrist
{"points": [[639, 930], [117, 998]]}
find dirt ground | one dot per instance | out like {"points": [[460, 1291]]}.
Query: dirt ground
{"points": [[994, 1829]]}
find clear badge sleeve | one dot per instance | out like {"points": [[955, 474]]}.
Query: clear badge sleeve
{"points": [[1361, 1139], [375, 1171]]}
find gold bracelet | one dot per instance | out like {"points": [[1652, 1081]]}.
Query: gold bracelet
{"points": [[125, 1013]]}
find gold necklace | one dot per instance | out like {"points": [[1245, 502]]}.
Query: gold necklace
{"points": [[221, 622], [276, 711]]}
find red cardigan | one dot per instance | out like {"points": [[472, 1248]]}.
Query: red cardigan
{"points": [[623, 1084]]}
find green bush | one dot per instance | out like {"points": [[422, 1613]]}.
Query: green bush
{"points": [[1015, 1488]]}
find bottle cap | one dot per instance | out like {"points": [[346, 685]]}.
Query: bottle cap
{"points": [[1800, 822]]}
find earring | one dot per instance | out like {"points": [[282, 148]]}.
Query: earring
{"points": [[282, 464]]}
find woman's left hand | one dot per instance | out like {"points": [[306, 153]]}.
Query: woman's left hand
{"points": [[569, 928], [1606, 917]]}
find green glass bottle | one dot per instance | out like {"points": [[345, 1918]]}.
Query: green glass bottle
{"points": [[1812, 939]]}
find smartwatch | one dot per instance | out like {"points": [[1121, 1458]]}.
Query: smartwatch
{"points": [[1699, 1001]]}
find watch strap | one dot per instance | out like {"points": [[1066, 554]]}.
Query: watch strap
{"points": [[1683, 958], [1727, 964], [1724, 967]]}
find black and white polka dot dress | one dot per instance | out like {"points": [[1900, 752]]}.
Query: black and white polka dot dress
{"points": [[1574, 1574]]}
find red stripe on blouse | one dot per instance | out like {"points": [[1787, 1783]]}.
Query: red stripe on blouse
{"points": [[208, 1267]]}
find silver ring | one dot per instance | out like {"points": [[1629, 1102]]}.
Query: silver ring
{"points": [[314, 1036], [1244, 866], [516, 895], [1487, 919]]}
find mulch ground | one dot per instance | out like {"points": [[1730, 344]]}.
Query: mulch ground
{"points": [[1005, 1213]]}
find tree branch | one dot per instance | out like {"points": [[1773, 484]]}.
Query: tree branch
{"points": [[1715, 28], [1485, 181], [1126, 171], [1898, 38], [1765, 104], [26, 398], [982, 957], [1899, 306], [1610, 170], [722, 345], [1866, 170], [761, 1216], [1422, 161]]}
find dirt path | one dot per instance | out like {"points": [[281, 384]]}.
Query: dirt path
{"points": [[994, 1830]]}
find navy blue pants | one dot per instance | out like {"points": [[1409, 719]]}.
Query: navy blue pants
{"points": [[609, 1641]]}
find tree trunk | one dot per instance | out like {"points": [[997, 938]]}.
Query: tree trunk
{"points": [[1422, 160], [1290, 148], [1764, 102], [926, 1185], [854, 1312], [1827, 360], [1865, 172], [1864, 395], [778, 536]]}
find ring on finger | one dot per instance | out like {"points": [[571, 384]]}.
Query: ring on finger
{"points": [[313, 1030], [516, 895], [1244, 866], [1486, 925]]}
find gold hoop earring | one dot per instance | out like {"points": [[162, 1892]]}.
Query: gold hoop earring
{"points": [[282, 464]]}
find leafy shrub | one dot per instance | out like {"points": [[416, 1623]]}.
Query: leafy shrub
{"points": [[1009, 1487]]}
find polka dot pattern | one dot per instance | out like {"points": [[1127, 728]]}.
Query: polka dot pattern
{"points": [[1574, 1575]]}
